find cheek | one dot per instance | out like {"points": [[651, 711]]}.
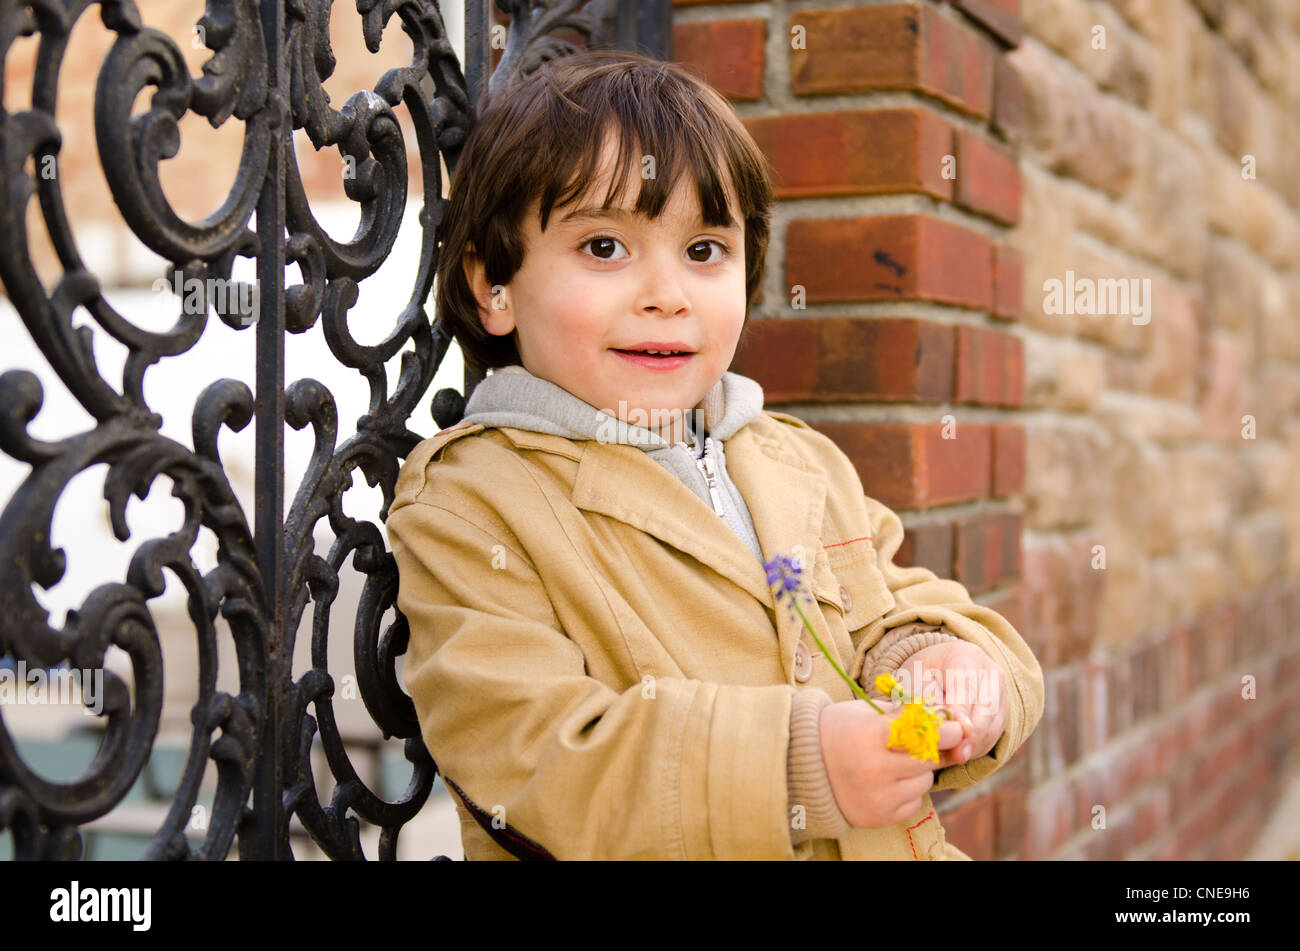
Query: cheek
{"points": [[576, 328]]}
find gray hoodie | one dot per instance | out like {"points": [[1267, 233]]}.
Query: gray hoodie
{"points": [[511, 396]]}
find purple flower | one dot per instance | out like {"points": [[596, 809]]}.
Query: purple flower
{"points": [[786, 577]]}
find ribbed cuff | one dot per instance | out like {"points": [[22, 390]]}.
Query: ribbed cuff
{"points": [[808, 783], [891, 652]]}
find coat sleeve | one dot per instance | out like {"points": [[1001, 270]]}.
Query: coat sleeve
{"points": [[672, 768], [920, 595]]}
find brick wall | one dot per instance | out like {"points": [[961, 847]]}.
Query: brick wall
{"points": [[1094, 478]]}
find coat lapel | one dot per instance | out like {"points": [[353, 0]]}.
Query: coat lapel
{"points": [[786, 500]]}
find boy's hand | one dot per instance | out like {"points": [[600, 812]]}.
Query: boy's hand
{"points": [[973, 687], [874, 785]]}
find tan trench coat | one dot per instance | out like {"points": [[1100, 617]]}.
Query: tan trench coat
{"points": [[596, 659]]}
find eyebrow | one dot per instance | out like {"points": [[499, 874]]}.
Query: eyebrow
{"points": [[588, 214], [595, 214]]}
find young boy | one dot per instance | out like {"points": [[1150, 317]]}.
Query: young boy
{"points": [[598, 663]]}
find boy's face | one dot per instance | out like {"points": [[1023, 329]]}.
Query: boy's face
{"points": [[592, 285]]}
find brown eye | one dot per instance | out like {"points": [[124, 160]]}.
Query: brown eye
{"points": [[705, 245], [602, 245]]}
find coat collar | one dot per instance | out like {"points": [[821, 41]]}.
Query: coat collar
{"points": [[786, 497]]}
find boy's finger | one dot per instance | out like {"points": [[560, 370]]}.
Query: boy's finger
{"points": [[950, 734], [959, 714]]}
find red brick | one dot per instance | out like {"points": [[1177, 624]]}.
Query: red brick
{"points": [[912, 465], [889, 257], [990, 367], [1061, 592], [856, 50], [1179, 663], [727, 54], [1001, 17], [1166, 754], [1143, 682], [1120, 690], [1167, 851], [1089, 793], [1207, 768], [1051, 819], [1225, 621], [1132, 776], [980, 556], [988, 178], [1008, 101], [898, 46], [929, 546], [856, 152], [1119, 836], [1152, 814], [1060, 723], [1009, 556], [1182, 789], [1011, 811], [1008, 459], [970, 827], [1198, 637], [1201, 725], [958, 64], [1275, 619], [1248, 647], [1094, 732], [1008, 282], [840, 359]]}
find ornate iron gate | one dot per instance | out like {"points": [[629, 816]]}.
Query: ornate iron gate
{"points": [[269, 59]]}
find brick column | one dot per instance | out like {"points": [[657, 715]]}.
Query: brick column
{"points": [[1143, 462], [892, 295]]}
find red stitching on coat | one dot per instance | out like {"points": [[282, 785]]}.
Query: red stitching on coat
{"points": [[910, 841], [864, 538]]}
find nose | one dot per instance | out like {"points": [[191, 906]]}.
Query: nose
{"points": [[662, 290]]}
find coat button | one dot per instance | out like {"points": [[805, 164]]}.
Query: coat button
{"points": [[802, 663], [846, 599]]}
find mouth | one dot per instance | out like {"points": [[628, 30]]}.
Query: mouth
{"points": [[658, 361], [658, 353]]}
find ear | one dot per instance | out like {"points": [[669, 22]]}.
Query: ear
{"points": [[493, 302]]}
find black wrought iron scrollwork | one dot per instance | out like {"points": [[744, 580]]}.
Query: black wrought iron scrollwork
{"points": [[267, 570]]}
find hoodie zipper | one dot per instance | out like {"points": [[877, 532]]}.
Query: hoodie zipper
{"points": [[706, 466]]}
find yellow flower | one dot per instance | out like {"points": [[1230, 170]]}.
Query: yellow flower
{"points": [[886, 683], [917, 731]]}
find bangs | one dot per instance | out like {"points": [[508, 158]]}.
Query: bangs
{"points": [[647, 151]]}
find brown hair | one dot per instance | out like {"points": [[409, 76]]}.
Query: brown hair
{"points": [[536, 138]]}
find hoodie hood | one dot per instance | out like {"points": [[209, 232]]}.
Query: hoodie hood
{"points": [[511, 396]]}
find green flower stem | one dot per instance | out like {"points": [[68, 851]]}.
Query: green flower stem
{"points": [[831, 657]]}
